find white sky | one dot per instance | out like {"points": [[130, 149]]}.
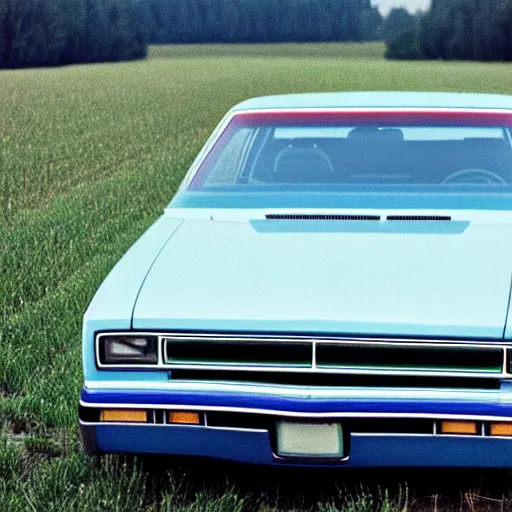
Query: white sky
{"points": [[412, 5]]}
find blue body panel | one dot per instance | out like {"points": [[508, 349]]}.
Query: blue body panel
{"points": [[477, 404], [222, 276], [256, 448], [112, 306]]}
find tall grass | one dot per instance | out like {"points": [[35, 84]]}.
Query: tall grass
{"points": [[89, 156]]}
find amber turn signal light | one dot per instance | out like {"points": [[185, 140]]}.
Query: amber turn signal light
{"points": [[189, 418], [501, 429], [458, 427], [123, 415]]}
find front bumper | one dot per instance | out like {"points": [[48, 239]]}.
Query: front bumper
{"points": [[257, 445]]}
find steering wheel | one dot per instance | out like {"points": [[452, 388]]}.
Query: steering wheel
{"points": [[479, 176]]}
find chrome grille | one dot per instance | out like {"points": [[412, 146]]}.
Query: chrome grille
{"points": [[252, 353], [436, 358], [332, 380], [349, 356]]}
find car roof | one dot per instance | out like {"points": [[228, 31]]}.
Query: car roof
{"points": [[378, 100]]}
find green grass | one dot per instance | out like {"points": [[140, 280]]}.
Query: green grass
{"points": [[284, 50], [89, 156]]}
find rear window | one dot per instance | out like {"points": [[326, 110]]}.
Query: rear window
{"points": [[322, 150]]}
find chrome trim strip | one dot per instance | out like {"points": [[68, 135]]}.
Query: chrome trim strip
{"points": [[398, 434], [235, 429], [261, 431], [350, 110], [138, 424], [332, 338], [310, 392], [167, 425], [268, 412], [264, 431], [342, 340], [341, 371]]}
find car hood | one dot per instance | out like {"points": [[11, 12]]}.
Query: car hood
{"points": [[437, 280]]}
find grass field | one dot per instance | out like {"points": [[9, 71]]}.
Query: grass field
{"points": [[89, 156]]}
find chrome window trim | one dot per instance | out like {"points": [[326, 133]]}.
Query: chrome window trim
{"points": [[314, 340], [289, 414], [508, 135]]}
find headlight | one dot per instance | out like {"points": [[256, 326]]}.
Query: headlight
{"points": [[129, 349]]}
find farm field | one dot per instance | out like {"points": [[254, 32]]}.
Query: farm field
{"points": [[89, 157]]}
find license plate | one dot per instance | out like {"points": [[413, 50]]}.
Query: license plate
{"points": [[309, 439]]}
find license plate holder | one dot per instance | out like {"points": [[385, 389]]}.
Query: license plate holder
{"points": [[310, 440]]}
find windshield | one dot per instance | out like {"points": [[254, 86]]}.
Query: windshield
{"points": [[459, 152]]}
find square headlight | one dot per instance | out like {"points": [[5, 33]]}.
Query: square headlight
{"points": [[128, 349]]}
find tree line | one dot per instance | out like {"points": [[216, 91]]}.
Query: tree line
{"points": [[56, 32], [250, 21], [453, 29]]}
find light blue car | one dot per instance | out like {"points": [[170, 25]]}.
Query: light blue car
{"points": [[330, 286]]}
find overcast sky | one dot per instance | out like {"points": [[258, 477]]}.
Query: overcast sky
{"points": [[412, 5]]}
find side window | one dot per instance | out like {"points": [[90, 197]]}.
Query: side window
{"points": [[231, 160]]}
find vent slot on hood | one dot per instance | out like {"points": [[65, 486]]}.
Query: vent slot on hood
{"points": [[300, 216], [357, 218], [421, 218]]}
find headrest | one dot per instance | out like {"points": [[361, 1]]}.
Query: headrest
{"points": [[301, 164]]}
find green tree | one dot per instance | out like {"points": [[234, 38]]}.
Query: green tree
{"points": [[398, 21], [504, 22], [54, 32], [191, 21], [460, 43], [467, 29]]}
